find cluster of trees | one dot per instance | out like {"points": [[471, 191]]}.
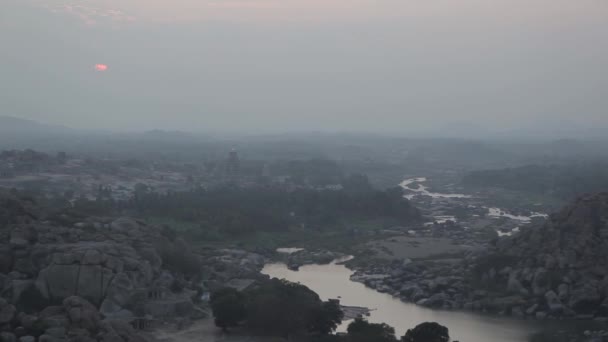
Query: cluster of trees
{"points": [[237, 210], [177, 257], [284, 309], [276, 308], [15, 204], [362, 331], [317, 172], [561, 181]]}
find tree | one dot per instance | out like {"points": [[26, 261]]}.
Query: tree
{"points": [[140, 190], [362, 331], [326, 318], [357, 183], [281, 308], [427, 332], [228, 307]]}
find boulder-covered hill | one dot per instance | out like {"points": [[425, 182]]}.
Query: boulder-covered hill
{"points": [[557, 269], [68, 277]]}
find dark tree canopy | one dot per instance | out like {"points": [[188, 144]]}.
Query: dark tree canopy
{"points": [[361, 330], [427, 332], [281, 308], [237, 211], [563, 181], [228, 307], [326, 318], [276, 308]]}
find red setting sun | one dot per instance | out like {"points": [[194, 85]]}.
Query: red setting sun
{"points": [[101, 67]]}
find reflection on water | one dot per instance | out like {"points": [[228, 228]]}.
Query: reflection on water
{"points": [[289, 250], [496, 212], [333, 281], [423, 190]]}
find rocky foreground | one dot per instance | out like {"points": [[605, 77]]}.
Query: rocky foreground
{"points": [[68, 277], [558, 269]]}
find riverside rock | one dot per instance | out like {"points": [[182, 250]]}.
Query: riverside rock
{"points": [[552, 269], [7, 312], [562, 264]]}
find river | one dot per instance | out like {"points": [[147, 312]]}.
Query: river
{"points": [[496, 212], [421, 189], [333, 281], [414, 187]]}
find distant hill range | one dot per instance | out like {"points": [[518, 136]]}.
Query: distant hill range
{"points": [[17, 133], [10, 124]]}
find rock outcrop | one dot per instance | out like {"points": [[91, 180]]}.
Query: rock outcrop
{"points": [[307, 257], [559, 268], [64, 276]]}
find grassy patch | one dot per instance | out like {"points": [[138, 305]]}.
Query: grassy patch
{"points": [[342, 237]]}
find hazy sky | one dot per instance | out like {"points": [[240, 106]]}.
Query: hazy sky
{"points": [[365, 65]]}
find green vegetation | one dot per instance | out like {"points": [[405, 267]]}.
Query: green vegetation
{"points": [[237, 211], [283, 309], [228, 307], [427, 332], [363, 331], [178, 258], [340, 237], [276, 308], [270, 217], [267, 217], [316, 172], [560, 181]]}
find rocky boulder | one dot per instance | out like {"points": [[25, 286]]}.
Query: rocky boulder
{"points": [[561, 265], [7, 312], [81, 313], [70, 272]]}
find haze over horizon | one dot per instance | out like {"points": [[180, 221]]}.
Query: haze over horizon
{"points": [[388, 66]]}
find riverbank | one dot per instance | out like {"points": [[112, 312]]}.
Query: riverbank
{"points": [[422, 266], [333, 281]]}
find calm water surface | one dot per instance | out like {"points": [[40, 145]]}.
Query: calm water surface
{"points": [[332, 281], [423, 190]]}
